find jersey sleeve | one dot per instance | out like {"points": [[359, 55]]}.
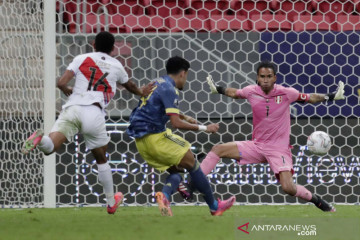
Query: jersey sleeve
{"points": [[75, 64], [292, 94], [122, 76], [170, 99], [244, 92]]}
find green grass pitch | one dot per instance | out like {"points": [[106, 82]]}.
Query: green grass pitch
{"points": [[188, 222]]}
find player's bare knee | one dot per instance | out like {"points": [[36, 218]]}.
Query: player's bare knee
{"points": [[188, 165], [57, 139], [289, 188], [217, 149], [188, 161]]}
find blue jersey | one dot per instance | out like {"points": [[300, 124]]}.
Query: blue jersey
{"points": [[152, 112]]}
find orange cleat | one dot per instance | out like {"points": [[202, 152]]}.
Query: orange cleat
{"points": [[164, 204]]}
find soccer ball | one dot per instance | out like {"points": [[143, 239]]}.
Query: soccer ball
{"points": [[319, 143]]}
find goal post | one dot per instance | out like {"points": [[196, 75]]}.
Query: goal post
{"points": [[49, 99]]}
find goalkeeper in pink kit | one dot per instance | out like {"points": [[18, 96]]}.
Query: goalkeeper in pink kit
{"points": [[271, 130]]}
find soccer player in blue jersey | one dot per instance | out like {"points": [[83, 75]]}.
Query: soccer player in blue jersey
{"points": [[162, 149]]}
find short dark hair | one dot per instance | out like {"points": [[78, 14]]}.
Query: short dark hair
{"points": [[266, 64], [177, 64], [104, 42]]}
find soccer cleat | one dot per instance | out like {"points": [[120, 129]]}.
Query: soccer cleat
{"points": [[32, 141], [324, 205], [185, 191], [223, 206], [164, 204], [118, 200]]}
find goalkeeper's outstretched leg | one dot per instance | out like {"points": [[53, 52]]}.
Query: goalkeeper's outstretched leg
{"points": [[288, 186], [248, 152]]}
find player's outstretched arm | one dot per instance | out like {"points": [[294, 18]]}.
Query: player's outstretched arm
{"points": [[337, 95], [230, 92], [142, 91], [188, 119], [62, 84], [177, 122]]}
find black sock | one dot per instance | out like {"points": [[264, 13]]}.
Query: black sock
{"points": [[314, 199]]}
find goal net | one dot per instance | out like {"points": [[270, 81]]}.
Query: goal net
{"points": [[315, 44], [21, 100]]}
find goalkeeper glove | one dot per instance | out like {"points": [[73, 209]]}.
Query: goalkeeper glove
{"points": [[339, 94], [214, 88]]}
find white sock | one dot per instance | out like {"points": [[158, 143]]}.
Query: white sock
{"points": [[106, 180], [46, 145]]}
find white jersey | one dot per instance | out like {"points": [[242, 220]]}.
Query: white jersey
{"points": [[96, 75]]}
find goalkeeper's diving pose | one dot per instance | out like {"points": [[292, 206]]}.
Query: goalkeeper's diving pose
{"points": [[271, 129]]}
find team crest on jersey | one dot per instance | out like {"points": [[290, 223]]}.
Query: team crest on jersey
{"points": [[278, 99]]}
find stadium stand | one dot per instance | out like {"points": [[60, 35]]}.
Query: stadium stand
{"points": [[167, 8], [116, 24], [126, 7], [207, 9], [270, 22], [188, 23], [348, 23], [230, 23], [93, 23], [249, 8], [332, 9], [313, 23], [121, 16], [145, 23], [291, 8]]}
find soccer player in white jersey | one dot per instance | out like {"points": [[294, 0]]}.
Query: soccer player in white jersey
{"points": [[271, 130], [96, 75]]}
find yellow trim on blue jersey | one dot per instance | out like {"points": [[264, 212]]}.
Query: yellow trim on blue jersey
{"points": [[176, 91], [145, 99], [160, 80], [172, 110]]}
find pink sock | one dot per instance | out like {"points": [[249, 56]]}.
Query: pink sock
{"points": [[209, 162], [303, 193]]}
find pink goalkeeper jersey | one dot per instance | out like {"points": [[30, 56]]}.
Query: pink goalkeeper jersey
{"points": [[271, 113]]}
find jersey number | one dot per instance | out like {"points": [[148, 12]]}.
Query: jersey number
{"points": [[97, 82]]}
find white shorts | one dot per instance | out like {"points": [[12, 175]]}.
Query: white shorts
{"points": [[88, 120]]}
